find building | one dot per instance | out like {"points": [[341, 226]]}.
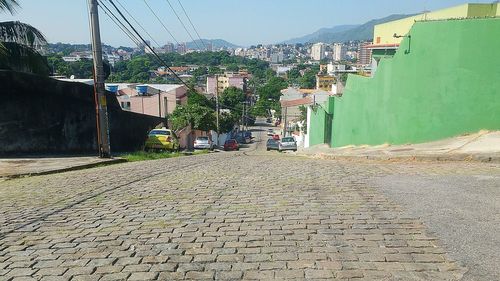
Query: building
{"points": [[181, 48], [325, 82], [217, 84], [424, 92], [339, 52], [318, 51], [277, 57], [149, 99], [365, 54], [388, 36]]}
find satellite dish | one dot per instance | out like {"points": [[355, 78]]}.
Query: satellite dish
{"points": [[72, 77]]}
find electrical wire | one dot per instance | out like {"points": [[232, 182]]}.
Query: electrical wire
{"points": [[195, 30], [183, 25], [118, 23], [139, 24], [153, 51], [162, 24]]}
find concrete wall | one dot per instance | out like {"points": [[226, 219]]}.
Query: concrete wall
{"points": [[428, 91], [44, 115]]}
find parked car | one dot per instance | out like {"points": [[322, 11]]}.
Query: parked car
{"points": [[231, 144], [203, 143], [269, 120], [276, 137], [270, 132], [287, 143], [272, 144], [244, 137], [162, 139]]}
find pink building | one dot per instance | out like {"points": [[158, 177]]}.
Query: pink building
{"points": [[225, 81], [150, 99]]}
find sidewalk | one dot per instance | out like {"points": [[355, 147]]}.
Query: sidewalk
{"points": [[483, 146], [29, 166]]}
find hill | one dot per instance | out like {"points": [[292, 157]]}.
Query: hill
{"points": [[216, 44], [345, 33], [320, 32]]}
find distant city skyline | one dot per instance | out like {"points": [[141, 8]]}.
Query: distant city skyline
{"points": [[242, 23]]}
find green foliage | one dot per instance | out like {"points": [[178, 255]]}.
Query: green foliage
{"points": [[233, 68], [231, 98], [195, 98], [199, 117], [18, 42], [308, 81], [227, 122]]}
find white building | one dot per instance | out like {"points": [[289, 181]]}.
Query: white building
{"points": [[339, 52], [318, 51]]}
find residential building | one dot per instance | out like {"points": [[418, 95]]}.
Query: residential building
{"points": [[277, 57], [325, 82], [149, 99], [217, 84], [339, 52], [365, 54], [181, 48], [318, 51], [385, 43]]}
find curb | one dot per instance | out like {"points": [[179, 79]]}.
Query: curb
{"points": [[62, 170], [402, 158]]}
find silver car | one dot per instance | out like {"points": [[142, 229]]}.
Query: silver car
{"points": [[287, 143], [203, 143]]}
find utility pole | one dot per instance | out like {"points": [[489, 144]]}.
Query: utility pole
{"points": [[217, 107], [99, 90], [243, 118]]}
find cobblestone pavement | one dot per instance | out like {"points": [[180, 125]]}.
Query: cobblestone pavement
{"points": [[223, 216]]}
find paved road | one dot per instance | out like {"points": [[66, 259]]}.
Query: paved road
{"points": [[226, 216]]}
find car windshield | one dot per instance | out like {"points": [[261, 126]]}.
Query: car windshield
{"points": [[271, 141], [202, 138], [287, 140], [160, 132]]}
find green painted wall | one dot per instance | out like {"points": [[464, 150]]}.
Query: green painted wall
{"points": [[317, 133], [447, 85]]}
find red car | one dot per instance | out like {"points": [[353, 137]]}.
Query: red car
{"points": [[231, 144], [276, 137]]}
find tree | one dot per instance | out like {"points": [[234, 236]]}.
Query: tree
{"points": [[18, 42], [199, 99], [308, 81], [197, 116], [232, 98]]}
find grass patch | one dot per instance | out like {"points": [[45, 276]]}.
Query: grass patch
{"points": [[146, 155]]}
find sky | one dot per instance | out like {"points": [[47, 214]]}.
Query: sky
{"points": [[242, 22]]}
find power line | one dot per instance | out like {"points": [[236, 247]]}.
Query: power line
{"points": [[139, 24], [183, 25], [118, 23], [189, 19], [148, 46], [162, 24], [154, 52]]}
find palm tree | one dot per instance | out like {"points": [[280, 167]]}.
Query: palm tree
{"points": [[18, 44]]}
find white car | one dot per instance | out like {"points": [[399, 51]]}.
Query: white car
{"points": [[287, 143], [203, 143]]}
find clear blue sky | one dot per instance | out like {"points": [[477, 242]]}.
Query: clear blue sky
{"points": [[240, 22]]}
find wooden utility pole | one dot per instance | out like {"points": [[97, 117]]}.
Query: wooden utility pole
{"points": [[99, 90]]}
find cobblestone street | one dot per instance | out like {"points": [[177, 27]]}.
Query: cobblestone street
{"points": [[223, 216]]}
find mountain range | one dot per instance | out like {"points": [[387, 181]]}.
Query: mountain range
{"points": [[216, 44], [344, 33]]}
